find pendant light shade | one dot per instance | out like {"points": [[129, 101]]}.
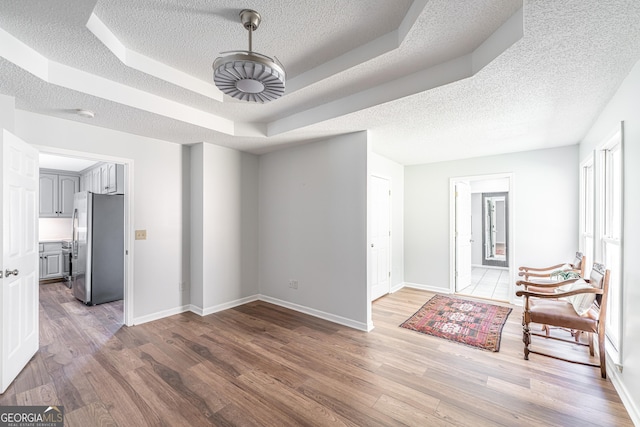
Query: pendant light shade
{"points": [[247, 75]]}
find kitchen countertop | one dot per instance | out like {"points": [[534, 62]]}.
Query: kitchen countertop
{"points": [[55, 240]]}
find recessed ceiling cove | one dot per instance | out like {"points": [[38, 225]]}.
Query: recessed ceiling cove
{"points": [[418, 75]]}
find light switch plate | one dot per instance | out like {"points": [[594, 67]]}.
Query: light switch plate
{"points": [[141, 234]]}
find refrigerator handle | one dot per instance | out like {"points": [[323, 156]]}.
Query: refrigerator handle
{"points": [[74, 234]]}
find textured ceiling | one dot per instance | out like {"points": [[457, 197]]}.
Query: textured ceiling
{"points": [[431, 80]]}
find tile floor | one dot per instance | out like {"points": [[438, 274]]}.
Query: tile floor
{"points": [[490, 283]]}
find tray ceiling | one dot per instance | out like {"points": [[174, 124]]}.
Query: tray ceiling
{"points": [[430, 80]]}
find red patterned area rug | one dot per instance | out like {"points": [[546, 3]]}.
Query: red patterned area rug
{"points": [[468, 322]]}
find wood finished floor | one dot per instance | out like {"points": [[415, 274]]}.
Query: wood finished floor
{"points": [[264, 365]]}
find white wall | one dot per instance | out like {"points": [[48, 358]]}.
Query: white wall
{"points": [[313, 228], [624, 106], [158, 199], [7, 112], [224, 226], [545, 199], [385, 168]]}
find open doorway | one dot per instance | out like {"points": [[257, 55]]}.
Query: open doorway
{"points": [[94, 267], [481, 236]]}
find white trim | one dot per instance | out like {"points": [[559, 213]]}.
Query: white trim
{"points": [[452, 232], [428, 288], [397, 287], [317, 313], [589, 162], [490, 267], [275, 301], [129, 232], [627, 399], [601, 237], [160, 315], [225, 306]]}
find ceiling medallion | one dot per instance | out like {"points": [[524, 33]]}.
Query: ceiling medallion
{"points": [[247, 75]]}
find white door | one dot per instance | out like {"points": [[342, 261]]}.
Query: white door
{"points": [[380, 237], [463, 235], [19, 293]]}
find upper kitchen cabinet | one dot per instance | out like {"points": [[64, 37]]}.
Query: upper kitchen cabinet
{"points": [[106, 178], [112, 178], [56, 194]]}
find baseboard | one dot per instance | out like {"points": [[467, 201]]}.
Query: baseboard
{"points": [[225, 306], [317, 313], [161, 314], [627, 400], [300, 308], [489, 267], [427, 288], [397, 287]]}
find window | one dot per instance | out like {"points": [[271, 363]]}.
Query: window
{"points": [[587, 213], [609, 248]]}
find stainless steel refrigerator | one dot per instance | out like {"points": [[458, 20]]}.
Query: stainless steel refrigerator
{"points": [[97, 259]]}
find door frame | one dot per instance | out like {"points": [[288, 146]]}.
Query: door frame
{"points": [[510, 219], [128, 217]]}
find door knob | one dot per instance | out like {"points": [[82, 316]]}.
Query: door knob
{"points": [[8, 272]]}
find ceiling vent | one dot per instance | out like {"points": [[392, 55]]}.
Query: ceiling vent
{"points": [[247, 75]]}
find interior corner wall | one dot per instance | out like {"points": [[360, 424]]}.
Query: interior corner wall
{"points": [[545, 202], [385, 168], [157, 202], [197, 226], [224, 227], [313, 228], [186, 225], [624, 106]]}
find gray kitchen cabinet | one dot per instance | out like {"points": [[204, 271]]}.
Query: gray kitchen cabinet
{"points": [[105, 178], [96, 181], [90, 181], [85, 181], [112, 177], [56, 194], [51, 260], [68, 185], [48, 195]]}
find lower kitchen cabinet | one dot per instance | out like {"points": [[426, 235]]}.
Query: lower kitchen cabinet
{"points": [[51, 261]]}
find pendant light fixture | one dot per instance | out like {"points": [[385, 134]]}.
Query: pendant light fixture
{"points": [[248, 75]]}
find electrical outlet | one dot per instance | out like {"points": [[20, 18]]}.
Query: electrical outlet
{"points": [[141, 234], [183, 286], [293, 284]]}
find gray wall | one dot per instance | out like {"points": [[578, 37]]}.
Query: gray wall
{"points": [[158, 197], [545, 199], [313, 228], [224, 224]]}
